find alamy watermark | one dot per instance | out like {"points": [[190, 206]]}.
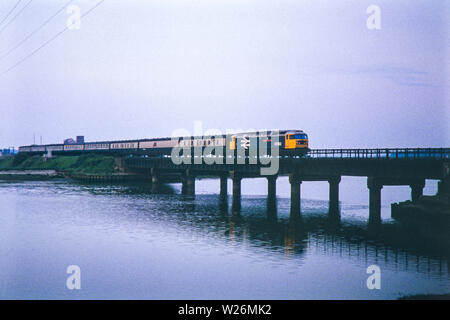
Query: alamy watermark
{"points": [[74, 20], [374, 20], [74, 280], [374, 280]]}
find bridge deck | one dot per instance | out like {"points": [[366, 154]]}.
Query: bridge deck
{"points": [[387, 153], [399, 163]]}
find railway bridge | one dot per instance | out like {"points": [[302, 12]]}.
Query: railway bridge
{"points": [[410, 167]]}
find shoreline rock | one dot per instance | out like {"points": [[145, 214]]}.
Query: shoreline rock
{"points": [[433, 209]]}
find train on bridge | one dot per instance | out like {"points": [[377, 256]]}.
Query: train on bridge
{"points": [[290, 142]]}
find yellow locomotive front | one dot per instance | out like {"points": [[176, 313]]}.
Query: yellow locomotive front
{"points": [[290, 142], [296, 141]]}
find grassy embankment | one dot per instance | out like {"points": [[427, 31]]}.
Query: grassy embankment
{"points": [[85, 164]]}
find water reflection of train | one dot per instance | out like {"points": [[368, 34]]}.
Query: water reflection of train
{"points": [[290, 142]]}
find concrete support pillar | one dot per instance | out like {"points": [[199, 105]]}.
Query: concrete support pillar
{"points": [[183, 185], [119, 162], [236, 206], [155, 180], [271, 188], [223, 185], [223, 205], [334, 194], [417, 190], [237, 186], [272, 198], [188, 181], [444, 188], [374, 199], [295, 182]]}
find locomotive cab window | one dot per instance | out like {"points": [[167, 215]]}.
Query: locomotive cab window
{"points": [[297, 136]]}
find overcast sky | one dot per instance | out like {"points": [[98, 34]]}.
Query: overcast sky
{"points": [[142, 69]]}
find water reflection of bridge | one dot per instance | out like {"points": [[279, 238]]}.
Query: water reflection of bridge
{"points": [[389, 245], [380, 254], [392, 246]]}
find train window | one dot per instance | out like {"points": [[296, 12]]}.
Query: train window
{"points": [[297, 136]]}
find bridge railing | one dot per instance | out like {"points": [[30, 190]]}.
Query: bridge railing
{"points": [[399, 153]]}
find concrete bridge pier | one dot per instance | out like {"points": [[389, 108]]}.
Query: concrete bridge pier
{"points": [[375, 187], [272, 213], [375, 184], [188, 184], [223, 185], [417, 189], [223, 205], [272, 187], [444, 188], [236, 204], [334, 194], [119, 163], [155, 180], [272, 197], [295, 182]]}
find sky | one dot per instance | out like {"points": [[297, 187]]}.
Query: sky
{"points": [[144, 69]]}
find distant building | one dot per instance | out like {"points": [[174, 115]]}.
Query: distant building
{"points": [[69, 141], [80, 139]]}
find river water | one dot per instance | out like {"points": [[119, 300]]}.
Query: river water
{"points": [[131, 244]]}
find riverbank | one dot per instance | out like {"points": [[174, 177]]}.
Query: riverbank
{"points": [[85, 168], [39, 168], [433, 208], [88, 164]]}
